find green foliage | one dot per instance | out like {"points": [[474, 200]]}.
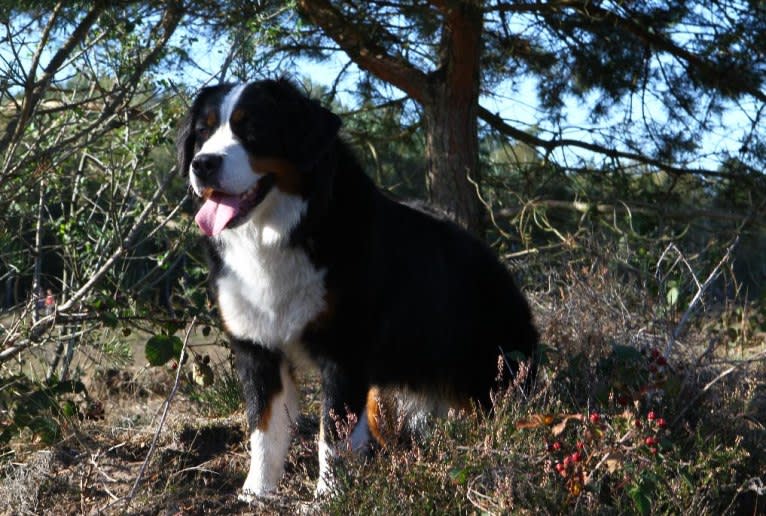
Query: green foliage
{"points": [[38, 408], [223, 397], [160, 349]]}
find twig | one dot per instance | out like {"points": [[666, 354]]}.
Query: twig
{"points": [[698, 297], [707, 387], [165, 410], [487, 206]]}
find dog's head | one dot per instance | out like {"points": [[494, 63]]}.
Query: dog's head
{"points": [[249, 151]]}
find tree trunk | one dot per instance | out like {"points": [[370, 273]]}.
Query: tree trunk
{"points": [[452, 153], [451, 109]]}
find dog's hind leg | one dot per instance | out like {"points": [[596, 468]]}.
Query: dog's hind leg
{"points": [[343, 423], [272, 406]]}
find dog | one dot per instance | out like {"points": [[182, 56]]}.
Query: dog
{"points": [[312, 264]]}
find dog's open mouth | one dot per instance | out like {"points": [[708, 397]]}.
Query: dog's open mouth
{"points": [[221, 210]]}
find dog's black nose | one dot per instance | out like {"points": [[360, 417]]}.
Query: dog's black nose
{"points": [[206, 166]]}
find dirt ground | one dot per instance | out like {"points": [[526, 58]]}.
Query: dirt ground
{"points": [[197, 467]]}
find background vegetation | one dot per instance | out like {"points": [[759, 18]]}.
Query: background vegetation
{"points": [[611, 152]]}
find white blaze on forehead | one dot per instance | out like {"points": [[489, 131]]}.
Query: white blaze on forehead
{"points": [[230, 102]]}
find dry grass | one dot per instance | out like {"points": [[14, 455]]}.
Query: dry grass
{"points": [[709, 458]]}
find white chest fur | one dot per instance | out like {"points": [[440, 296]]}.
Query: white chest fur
{"points": [[267, 292]]}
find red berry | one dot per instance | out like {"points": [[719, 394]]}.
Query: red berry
{"points": [[651, 416], [661, 422], [576, 457], [556, 446], [567, 460], [594, 417], [653, 450], [637, 423], [580, 445], [650, 441]]}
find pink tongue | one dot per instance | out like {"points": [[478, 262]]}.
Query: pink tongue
{"points": [[217, 211]]}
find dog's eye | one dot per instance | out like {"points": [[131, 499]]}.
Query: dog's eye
{"points": [[202, 133]]}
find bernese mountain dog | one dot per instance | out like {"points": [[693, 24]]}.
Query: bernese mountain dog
{"points": [[311, 264]]}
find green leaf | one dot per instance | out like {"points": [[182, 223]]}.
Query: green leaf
{"points": [[68, 408], [109, 319], [161, 348], [640, 499], [672, 296], [45, 428], [459, 475]]}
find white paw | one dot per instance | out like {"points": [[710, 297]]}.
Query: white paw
{"points": [[253, 490], [246, 497], [325, 486]]}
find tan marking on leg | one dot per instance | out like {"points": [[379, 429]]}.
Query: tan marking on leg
{"points": [[375, 416]]}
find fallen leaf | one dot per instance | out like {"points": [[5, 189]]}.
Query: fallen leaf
{"points": [[559, 428]]}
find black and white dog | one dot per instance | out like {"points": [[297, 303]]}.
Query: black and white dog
{"points": [[312, 264]]}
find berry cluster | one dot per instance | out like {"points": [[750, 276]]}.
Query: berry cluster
{"points": [[656, 425], [570, 464], [571, 461]]}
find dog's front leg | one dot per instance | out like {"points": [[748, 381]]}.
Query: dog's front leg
{"points": [[272, 406]]}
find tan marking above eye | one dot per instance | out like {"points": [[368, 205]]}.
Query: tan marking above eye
{"points": [[211, 119], [237, 115]]}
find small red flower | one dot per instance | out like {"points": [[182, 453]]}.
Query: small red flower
{"points": [[651, 416], [594, 417], [580, 445], [556, 446], [576, 457], [650, 441], [660, 421]]}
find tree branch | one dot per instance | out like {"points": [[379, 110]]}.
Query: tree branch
{"points": [[635, 208], [36, 88], [651, 38], [496, 122], [359, 42]]}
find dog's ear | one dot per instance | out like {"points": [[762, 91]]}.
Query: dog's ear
{"points": [[314, 127], [321, 128], [185, 143]]}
